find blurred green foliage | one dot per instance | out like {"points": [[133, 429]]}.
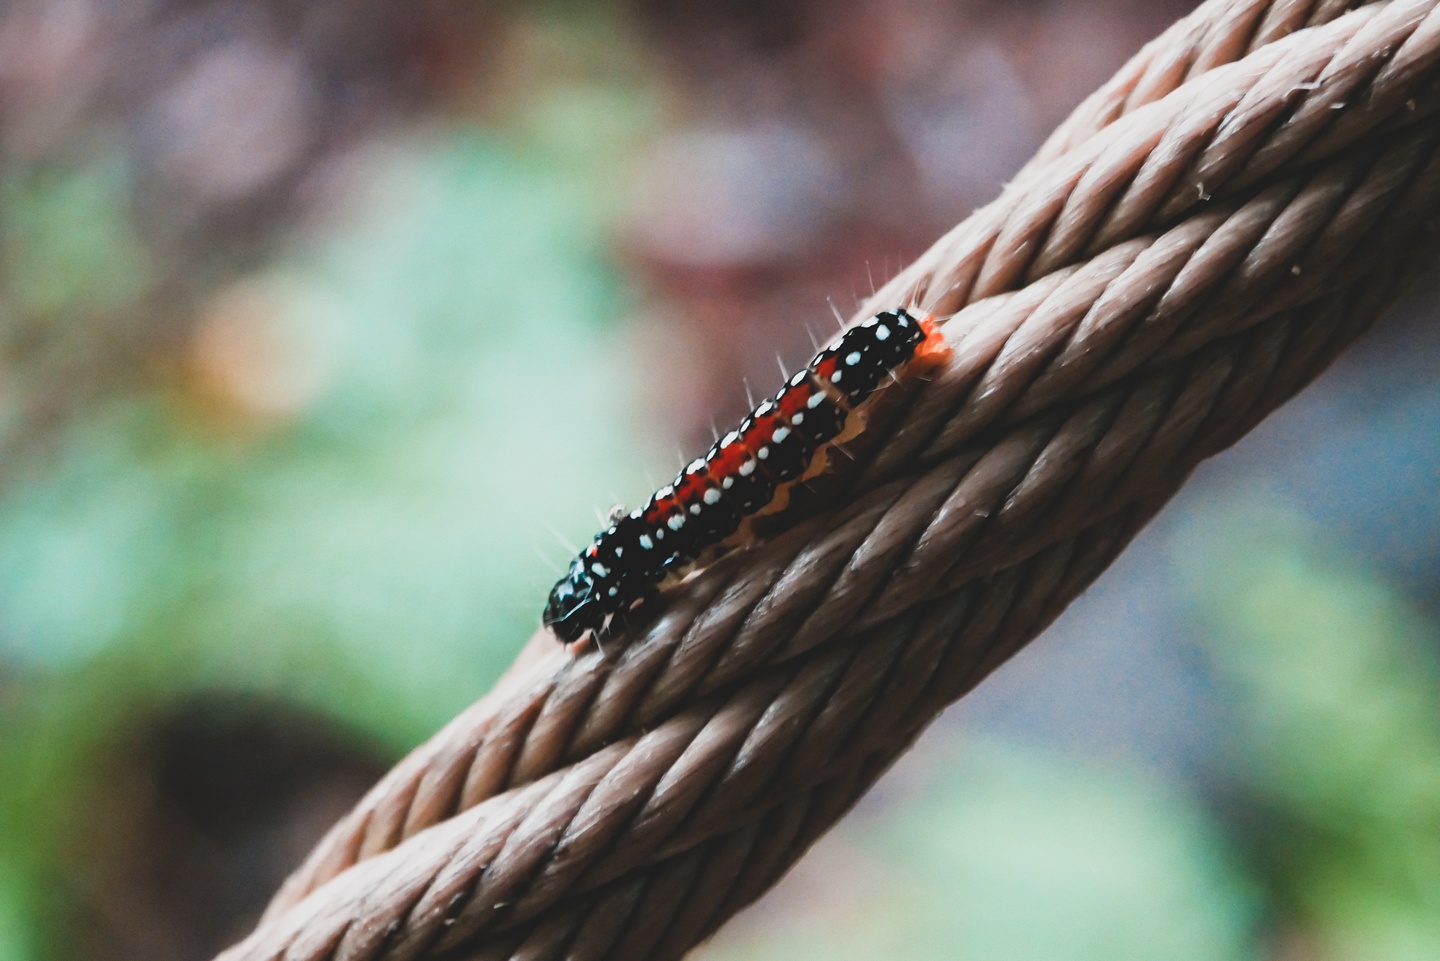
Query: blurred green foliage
{"points": [[463, 370], [1336, 720], [334, 496], [70, 250]]}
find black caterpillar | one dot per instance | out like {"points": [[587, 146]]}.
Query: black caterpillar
{"points": [[748, 472]]}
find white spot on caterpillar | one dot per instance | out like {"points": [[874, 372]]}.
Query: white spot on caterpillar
{"points": [[799, 418], [675, 522], [695, 509], [646, 542], [729, 439], [613, 591], [763, 453], [882, 332], [799, 378], [815, 400], [852, 358], [600, 570], [696, 465], [781, 433], [728, 483], [663, 492], [712, 495], [746, 469], [835, 377]]}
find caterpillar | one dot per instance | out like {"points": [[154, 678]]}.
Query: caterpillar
{"points": [[748, 474]]}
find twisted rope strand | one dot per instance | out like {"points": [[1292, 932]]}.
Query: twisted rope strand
{"points": [[1112, 327]]}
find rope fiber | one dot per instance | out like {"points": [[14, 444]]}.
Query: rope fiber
{"points": [[1201, 238]]}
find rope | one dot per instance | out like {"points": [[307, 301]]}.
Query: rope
{"points": [[1193, 246]]}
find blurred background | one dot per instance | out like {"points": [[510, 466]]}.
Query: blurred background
{"points": [[325, 324]]}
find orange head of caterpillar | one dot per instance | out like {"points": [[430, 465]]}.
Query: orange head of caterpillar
{"points": [[933, 348]]}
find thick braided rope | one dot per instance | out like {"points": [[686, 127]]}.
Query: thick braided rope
{"points": [[780, 682]]}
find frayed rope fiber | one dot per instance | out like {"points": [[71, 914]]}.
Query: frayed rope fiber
{"points": [[1201, 238]]}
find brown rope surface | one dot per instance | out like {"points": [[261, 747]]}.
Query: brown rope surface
{"points": [[1200, 239]]}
